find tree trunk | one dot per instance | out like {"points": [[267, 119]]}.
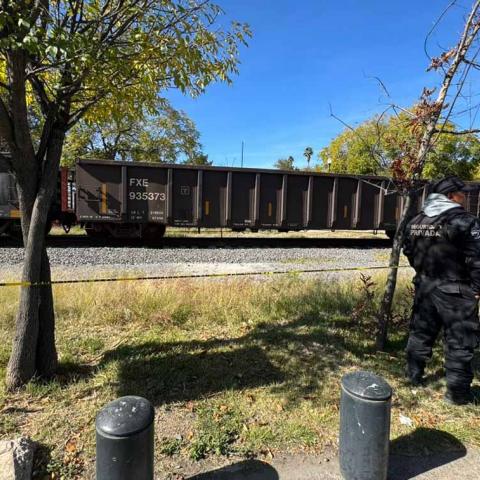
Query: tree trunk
{"points": [[22, 365], [33, 350], [47, 358], [385, 310]]}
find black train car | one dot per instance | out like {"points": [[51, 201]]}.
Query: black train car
{"points": [[124, 199], [140, 200], [9, 213], [61, 210]]}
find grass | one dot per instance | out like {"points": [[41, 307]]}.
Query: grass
{"points": [[75, 230], [237, 367]]}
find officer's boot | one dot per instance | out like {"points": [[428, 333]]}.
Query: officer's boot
{"points": [[414, 372], [460, 396]]}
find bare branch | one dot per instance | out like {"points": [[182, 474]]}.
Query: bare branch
{"points": [[473, 64], [382, 85], [469, 34], [435, 25], [404, 110], [459, 87], [458, 132], [374, 150]]}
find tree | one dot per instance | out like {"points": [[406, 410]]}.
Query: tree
{"points": [[428, 121], [351, 151], [357, 151], [285, 163], [87, 59], [308, 154], [200, 159], [165, 136]]}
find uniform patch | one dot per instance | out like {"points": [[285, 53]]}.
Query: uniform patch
{"points": [[475, 233], [425, 230]]}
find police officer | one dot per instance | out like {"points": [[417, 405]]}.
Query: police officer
{"points": [[442, 244]]}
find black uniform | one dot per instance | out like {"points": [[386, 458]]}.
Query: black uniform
{"points": [[444, 250]]}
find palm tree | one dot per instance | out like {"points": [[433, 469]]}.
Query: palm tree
{"points": [[308, 153]]}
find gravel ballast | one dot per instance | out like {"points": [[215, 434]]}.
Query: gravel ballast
{"points": [[128, 256], [68, 263]]}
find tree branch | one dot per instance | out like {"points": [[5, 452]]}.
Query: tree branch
{"points": [[382, 85], [377, 156], [469, 34], [18, 111], [45, 136], [435, 25], [458, 132], [473, 64], [40, 94]]}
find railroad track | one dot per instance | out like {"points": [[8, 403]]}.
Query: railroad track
{"points": [[79, 241]]}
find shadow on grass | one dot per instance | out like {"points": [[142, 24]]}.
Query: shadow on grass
{"points": [[46, 465], [247, 470], [293, 358], [71, 372], [166, 373], [422, 450], [435, 376], [41, 459]]}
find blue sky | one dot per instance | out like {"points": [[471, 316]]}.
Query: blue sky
{"points": [[307, 55]]}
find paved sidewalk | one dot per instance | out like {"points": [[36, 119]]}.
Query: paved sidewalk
{"points": [[449, 466]]}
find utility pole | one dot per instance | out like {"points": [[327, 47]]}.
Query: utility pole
{"points": [[242, 155]]}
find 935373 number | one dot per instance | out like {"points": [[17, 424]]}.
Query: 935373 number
{"points": [[147, 196]]}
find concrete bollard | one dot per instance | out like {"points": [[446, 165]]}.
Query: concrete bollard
{"points": [[124, 434], [364, 426]]}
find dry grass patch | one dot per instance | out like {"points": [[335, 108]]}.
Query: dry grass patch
{"points": [[226, 232], [233, 367]]}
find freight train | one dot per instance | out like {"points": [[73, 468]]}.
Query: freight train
{"points": [[139, 200], [62, 210]]}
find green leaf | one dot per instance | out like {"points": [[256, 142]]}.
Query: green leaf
{"points": [[52, 50], [23, 23]]}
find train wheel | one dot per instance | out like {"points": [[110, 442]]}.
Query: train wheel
{"points": [[92, 232], [390, 234], [152, 233], [14, 231], [48, 227], [5, 226], [68, 219]]}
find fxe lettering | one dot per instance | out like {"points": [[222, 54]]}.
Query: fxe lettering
{"points": [[139, 182]]}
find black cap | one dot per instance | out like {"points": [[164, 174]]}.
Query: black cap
{"points": [[451, 184]]}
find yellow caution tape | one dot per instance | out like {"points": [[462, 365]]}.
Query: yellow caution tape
{"points": [[200, 275]]}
